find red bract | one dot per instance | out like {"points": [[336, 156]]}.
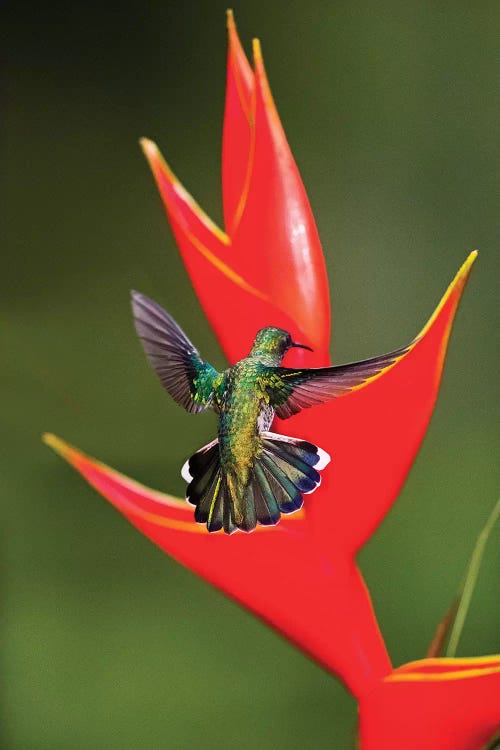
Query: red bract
{"points": [[441, 704], [269, 265], [268, 269]]}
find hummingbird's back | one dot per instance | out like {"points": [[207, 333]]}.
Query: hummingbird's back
{"points": [[240, 412]]}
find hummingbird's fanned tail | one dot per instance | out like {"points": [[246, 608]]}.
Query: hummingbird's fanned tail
{"points": [[285, 469]]}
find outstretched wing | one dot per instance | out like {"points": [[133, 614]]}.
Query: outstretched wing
{"points": [[291, 390], [184, 374]]}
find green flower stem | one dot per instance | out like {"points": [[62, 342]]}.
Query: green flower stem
{"points": [[470, 581]]}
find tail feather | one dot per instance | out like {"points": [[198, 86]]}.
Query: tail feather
{"points": [[201, 460], [304, 477], [284, 490], [205, 494], [285, 469], [201, 485], [297, 461], [214, 507], [296, 448], [228, 521], [248, 520], [266, 507], [207, 489]]}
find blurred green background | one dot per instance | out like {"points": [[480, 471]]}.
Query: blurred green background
{"points": [[391, 111]]}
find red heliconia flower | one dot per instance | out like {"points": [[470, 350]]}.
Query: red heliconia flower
{"points": [[301, 576]]}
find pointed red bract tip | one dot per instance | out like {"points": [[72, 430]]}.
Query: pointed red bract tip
{"points": [[65, 450], [244, 71], [274, 572], [133, 499], [237, 141], [262, 80], [373, 433], [180, 205]]}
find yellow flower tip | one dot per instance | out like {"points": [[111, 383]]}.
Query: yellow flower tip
{"points": [[455, 288], [234, 40], [156, 161], [468, 263], [231, 25], [261, 78], [149, 148], [239, 63], [263, 85], [59, 446], [257, 53], [162, 172], [462, 276], [465, 269]]}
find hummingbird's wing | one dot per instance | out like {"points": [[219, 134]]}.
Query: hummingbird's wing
{"points": [[184, 374], [291, 390]]}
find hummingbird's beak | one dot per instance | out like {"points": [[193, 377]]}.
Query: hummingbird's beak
{"points": [[301, 346]]}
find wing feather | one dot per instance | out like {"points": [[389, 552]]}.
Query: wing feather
{"points": [[291, 390], [181, 370]]}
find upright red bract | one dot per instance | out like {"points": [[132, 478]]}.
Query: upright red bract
{"points": [[268, 269]]}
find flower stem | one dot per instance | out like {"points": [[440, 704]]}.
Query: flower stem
{"points": [[470, 580]]}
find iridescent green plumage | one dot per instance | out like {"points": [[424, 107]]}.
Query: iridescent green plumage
{"points": [[248, 475]]}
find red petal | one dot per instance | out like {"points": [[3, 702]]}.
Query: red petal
{"points": [[238, 126], [276, 241], [449, 704], [373, 434], [274, 254], [222, 291], [275, 572]]}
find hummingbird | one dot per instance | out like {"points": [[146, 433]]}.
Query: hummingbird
{"points": [[247, 475]]}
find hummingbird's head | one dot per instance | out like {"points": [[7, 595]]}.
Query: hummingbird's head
{"points": [[273, 343]]}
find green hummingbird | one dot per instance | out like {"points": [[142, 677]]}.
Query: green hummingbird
{"points": [[247, 475]]}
